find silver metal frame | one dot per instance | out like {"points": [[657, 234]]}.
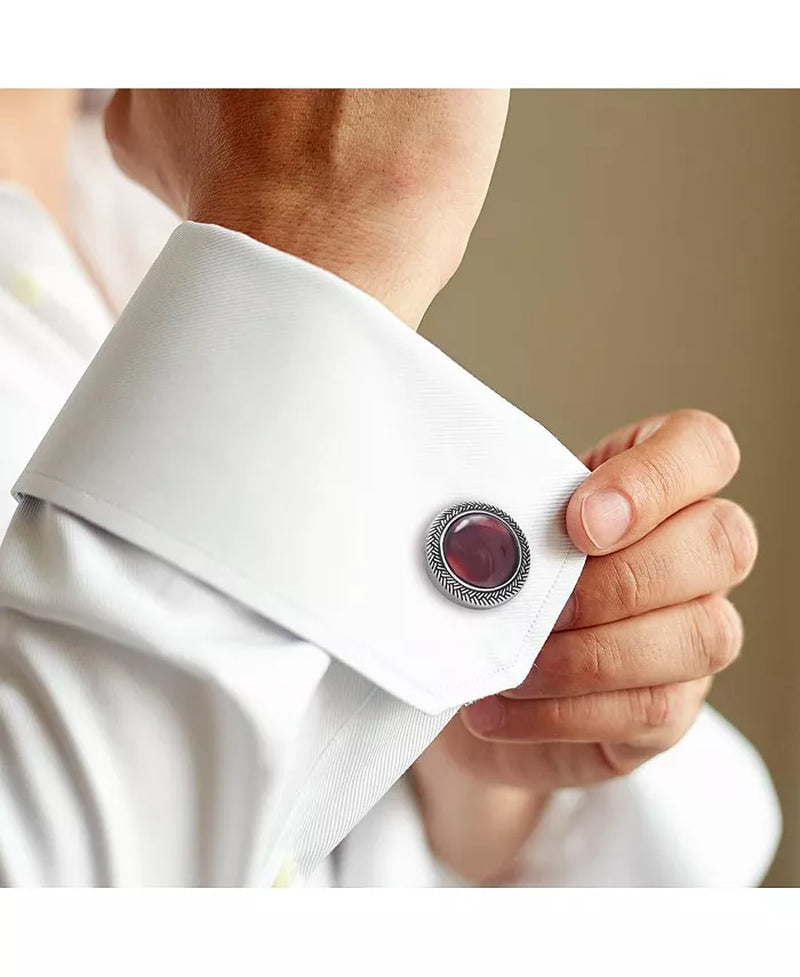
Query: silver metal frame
{"points": [[452, 585]]}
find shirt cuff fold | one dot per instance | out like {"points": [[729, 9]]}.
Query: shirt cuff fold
{"points": [[280, 435]]}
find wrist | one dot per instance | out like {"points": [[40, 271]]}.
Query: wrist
{"points": [[478, 829]]}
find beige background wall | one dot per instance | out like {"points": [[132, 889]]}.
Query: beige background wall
{"points": [[639, 252]]}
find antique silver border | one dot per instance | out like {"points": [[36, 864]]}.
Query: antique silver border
{"points": [[453, 586]]}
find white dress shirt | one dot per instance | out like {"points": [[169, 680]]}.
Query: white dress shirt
{"points": [[219, 647]]}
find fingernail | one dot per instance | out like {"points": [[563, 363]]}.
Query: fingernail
{"points": [[485, 715], [567, 616], [606, 516]]}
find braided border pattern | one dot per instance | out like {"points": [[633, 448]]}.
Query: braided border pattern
{"points": [[452, 585]]}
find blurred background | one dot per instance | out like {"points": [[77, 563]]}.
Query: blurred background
{"points": [[639, 252]]}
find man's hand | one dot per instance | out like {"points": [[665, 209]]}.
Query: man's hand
{"points": [[630, 662], [381, 187]]}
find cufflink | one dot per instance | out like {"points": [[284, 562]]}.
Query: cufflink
{"points": [[476, 554]]}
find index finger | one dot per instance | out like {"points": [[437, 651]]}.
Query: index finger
{"points": [[693, 454]]}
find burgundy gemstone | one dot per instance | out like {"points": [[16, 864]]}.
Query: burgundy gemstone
{"points": [[481, 550]]}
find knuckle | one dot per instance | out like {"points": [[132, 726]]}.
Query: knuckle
{"points": [[716, 436], [720, 633], [731, 632], [655, 706], [733, 538]]}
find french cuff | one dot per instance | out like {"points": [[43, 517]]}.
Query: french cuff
{"points": [[280, 435]]}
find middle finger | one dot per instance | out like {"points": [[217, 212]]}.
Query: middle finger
{"points": [[673, 644], [709, 546]]}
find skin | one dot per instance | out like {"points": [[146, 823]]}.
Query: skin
{"points": [[383, 188], [380, 186]]}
